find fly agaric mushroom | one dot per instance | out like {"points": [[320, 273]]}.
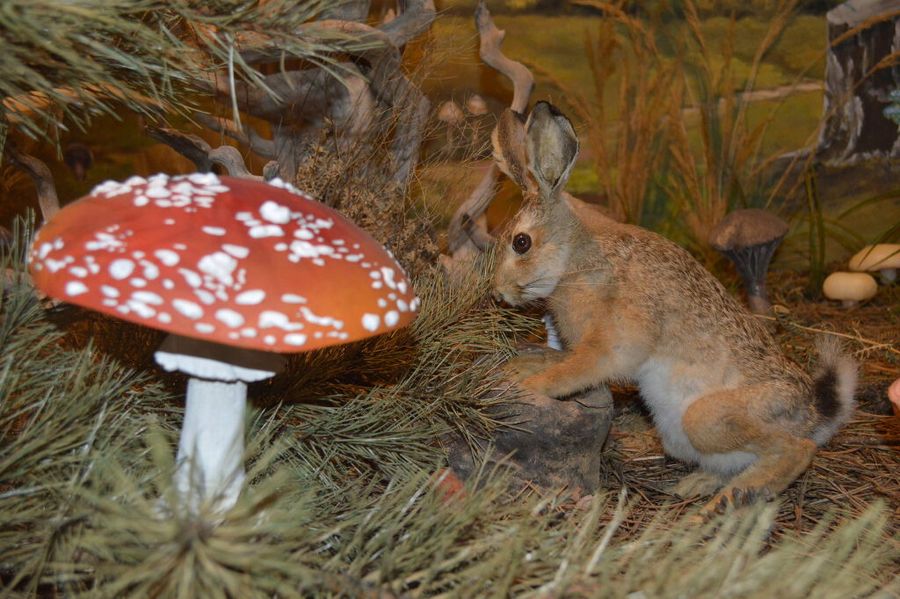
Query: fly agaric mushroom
{"points": [[749, 238], [849, 287], [235, 269], [883, 257]]}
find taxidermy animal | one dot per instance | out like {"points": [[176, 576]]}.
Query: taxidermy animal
{"points": [[630, 305]]}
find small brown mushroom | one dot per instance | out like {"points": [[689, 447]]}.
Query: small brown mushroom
{"points": [[849, 287], [883, 257], [749, 238]]}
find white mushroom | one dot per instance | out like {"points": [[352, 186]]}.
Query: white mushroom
{"points": [[849, 287], [883, 257]]}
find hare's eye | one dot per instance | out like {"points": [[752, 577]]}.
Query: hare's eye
{"points": [[521, 243]]}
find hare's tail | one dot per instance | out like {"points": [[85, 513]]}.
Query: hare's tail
{"points": [[834, 384]]}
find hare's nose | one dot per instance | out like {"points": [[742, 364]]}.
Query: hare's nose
{"points": [[497, 296]]}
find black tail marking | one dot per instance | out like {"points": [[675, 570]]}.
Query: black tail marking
{"points": [[826, 393]]}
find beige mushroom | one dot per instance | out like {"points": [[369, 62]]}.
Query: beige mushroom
{"points": [[883, 257], [476, 105], [849, 287], [451, 113]]}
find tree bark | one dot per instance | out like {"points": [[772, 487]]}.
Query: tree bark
{"points": [[859, 76]]}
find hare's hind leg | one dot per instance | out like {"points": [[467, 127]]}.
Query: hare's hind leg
{"points": [[739, 420]]}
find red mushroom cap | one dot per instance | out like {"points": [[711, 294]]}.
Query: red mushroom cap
{"points": [[233, 261]]}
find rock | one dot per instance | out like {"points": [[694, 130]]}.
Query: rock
{"points": [[855, 124], [553, 443]]}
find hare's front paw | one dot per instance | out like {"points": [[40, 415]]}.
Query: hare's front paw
{"points": [[526, 364]]}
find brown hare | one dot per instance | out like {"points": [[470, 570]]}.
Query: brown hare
{"points": [[630, 305]]}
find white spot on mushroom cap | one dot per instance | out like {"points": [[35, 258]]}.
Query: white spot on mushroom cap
{"points": [[273, 318], [275, 213], [217, 231], [250, 297], [141, 309], [324, 321], [121, 268], [192, 278], [292, 298], [75, 288], [261, 231], [391, 318], [218, 265], [148, 297], [295, 338], [188, 308], [229, 317], [238, 251], [167, 257], [370, 322]]}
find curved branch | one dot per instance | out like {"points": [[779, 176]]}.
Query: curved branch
{"points": [[247, 136], [492, 55], [467, 227], [416, 17], [48, 200], [192, 147], [229, 158]]}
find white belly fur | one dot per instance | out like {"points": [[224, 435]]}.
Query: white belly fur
{"points": [[668, 389]]}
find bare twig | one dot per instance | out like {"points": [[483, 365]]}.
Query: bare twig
{"points": [[471, 210], [247, 136], [202, 154], [192, 147], [459, 234], [492, 55], [42, 177], [229, 158], [870, 344]]}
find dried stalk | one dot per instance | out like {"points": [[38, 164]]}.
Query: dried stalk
{"points": [[464, 228]]}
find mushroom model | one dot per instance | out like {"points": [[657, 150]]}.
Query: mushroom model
{"points": [[236, 270], [883, 257], [749, 238], [849, 288]]}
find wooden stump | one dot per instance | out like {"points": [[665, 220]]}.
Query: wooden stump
{"points": [[549, 442], [860, 34]]}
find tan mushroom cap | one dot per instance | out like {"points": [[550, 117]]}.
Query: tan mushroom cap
{"points": [[476, 105], [849, 286], [745, 228], [232, 261], [882, 256], [450, 112]]}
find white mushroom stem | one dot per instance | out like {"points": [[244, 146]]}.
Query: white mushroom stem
{"points": [[210, 459], [209, 466]]}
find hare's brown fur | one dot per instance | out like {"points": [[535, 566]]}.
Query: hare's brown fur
{"points": [[631, 305]]}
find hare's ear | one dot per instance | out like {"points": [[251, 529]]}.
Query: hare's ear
{"points": [[508, 141], [552, 147]]}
